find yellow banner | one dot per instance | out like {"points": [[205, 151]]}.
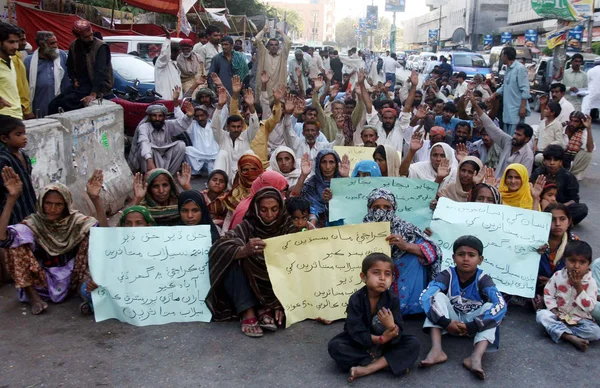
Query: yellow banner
{"points": [[314, 273], [356, 154]]}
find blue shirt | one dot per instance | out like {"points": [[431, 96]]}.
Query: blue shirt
{"points": [[514, 89], [451, 125], [44, 84]]}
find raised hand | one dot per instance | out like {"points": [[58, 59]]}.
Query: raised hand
{"points": [[278, 93], [588, 122], [480, 176], [362, 75], [306, 165], [185, 176], [388, 84], [188, 108], [264, 77], [249, 97], [236, 84], [414, 78], [416, 141], [176, 92], [94, 185], [443, 170], [422, 112], [490, 177], [299, 106], [461, 152], [221, 97], [12, 182], [333, 91], [140, 187], [538, 187], [290, 103], [216, 80], [318, 83], [345, 166], [329, 75]]}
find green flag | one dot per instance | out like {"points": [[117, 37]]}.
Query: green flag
{"points": [[555, 9]]}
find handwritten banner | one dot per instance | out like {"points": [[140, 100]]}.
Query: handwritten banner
{"points": [[356, 154], [314, 273], [150, 276], [510, 236], [412, 195]]}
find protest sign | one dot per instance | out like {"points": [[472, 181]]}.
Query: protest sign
{"points": [[510, 236], [151, 276], [314, 273], [412, 195], [356, 154]]}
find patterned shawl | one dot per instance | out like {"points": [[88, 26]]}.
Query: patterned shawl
{"points": [[240, 67], [137, 209], [167, 215], [222, 257], [493, 189], [313, 188], [65, 234], [242, 181]]}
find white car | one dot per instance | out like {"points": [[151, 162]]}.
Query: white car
{"points": [[423, 59], [409, 62]]}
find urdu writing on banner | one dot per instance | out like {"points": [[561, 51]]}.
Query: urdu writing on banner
{"points": [[314, 273], [510, 236], [152, 275]]}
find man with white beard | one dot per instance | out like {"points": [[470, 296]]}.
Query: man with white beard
{"points": [[46, 69]]}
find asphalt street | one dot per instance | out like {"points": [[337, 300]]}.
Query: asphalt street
{"points": [[62, 348]]}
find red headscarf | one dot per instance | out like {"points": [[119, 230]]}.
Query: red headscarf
{"points": [[243, 181], [266, 179], [186, 42]]}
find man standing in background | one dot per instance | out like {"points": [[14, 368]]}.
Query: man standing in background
{"points": [[574, 79]]}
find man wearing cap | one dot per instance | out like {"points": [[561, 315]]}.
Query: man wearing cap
{"points": [[298, 62], [189, 64], [167, 75], [152, 146], [206, 97], [273, 60], [89, 68], [369, 137]]}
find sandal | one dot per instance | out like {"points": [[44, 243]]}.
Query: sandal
{"points": [[267, 321], [251, 322]]}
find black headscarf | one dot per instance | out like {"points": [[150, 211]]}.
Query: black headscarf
{"points": [[198, 199]]}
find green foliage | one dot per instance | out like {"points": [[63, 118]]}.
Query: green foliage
{"points": [[293, 18], [547, 51], [346, 36], [238, 7], [596, 48]]}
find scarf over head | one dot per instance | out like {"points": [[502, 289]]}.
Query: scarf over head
{"points": [[137, 209], [292, 176], [242, 181], [197, 198], [315, 185], [493, 189], [424, 169], [240, 67], [366, 166], [521, 198], [164, 215], [391, 157], [64, 234], [266, 179], [454, 191]]}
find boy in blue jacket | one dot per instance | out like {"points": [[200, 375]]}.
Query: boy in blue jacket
{"points": [[463, 301]]}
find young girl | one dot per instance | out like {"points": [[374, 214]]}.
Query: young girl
{"points": [[373, 336], [552, 258], [217, 184], [548, 195], [299, 209], [517, 192], [366, 168], [388, 160], [570, 297], [193, 211]]}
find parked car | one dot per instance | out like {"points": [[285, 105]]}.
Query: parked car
{"points": [[410, 62], [497, 68], [469, 62], [148, 47], [129, 68], [423, 59], [401, 58]]}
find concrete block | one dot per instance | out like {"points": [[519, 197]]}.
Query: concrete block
{"points": [[68, 147]]}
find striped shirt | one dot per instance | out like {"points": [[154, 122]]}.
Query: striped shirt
{"points": [[26, 204]]}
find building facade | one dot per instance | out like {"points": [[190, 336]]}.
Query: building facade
{"points": [[318, 17]]}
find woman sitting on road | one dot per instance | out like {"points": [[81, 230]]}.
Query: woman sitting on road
{"points": [[517, 191], [240, 284], [193, 211], [47, 254], [388, 160]]}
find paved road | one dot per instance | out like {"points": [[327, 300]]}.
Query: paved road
{"points": [[61, 348]]}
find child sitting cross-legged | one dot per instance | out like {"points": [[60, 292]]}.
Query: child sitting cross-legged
{"points": [[570, 297], [373, 337], [463, 301]]}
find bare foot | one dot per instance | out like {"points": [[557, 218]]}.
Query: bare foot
{"points": [[324, 321], [356, 372], [475, 367], [435, 356], [579, 343], [37, 304]]}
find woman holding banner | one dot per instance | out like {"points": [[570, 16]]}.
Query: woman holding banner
{"points": [[416, 257], [240, 284]]}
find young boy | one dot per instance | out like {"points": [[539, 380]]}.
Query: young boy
{"points": [[299, 209], [463, 301], [570, 296], [373, 336]]}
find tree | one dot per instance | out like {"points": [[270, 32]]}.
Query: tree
{"points": [[345, 32], [238, 7], [292, 18]]}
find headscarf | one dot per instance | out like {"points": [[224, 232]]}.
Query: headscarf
{"points": [[186, 42], [521, 198], [424, 169], [157, 108], [366, 166], [167, 215], [391, 157], [266, 179], [437, 130], [493, 189], [262, 229], [133, 160], [292, 176], [454, 191], [64, 234], [198, 199], [137, 209], [409, 232], [315, 185], [240, 67], [242, 182]]}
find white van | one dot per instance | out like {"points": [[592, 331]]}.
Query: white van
{"points": [[424, 58], [148, 47]]}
